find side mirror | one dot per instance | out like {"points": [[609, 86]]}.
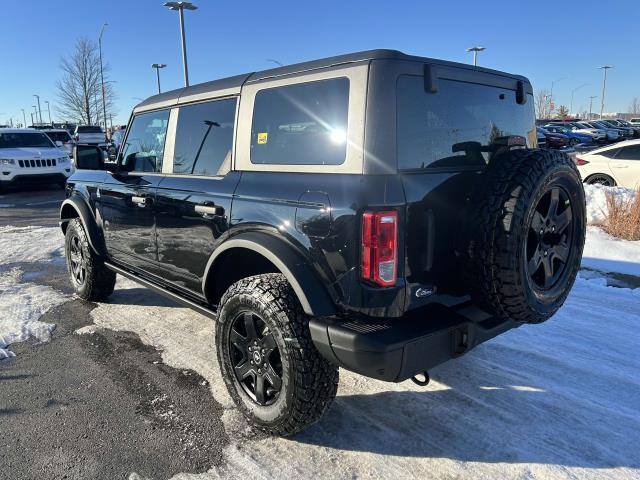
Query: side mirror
{"points": [[59, 143], [88, 157], [112, 153]]}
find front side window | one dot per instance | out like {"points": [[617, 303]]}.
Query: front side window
{"points": [[303, 124], [25, 140], [204, 138], [144, 148], [459, 125]]}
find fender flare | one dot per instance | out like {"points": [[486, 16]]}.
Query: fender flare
{"points": [[305, 281], [87, 218]]}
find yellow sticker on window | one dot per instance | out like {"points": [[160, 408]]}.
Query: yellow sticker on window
{"points": [[262, 138]]}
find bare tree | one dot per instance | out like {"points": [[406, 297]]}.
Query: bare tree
{"points": [[80, 88], [635, 106], [543, 104]]}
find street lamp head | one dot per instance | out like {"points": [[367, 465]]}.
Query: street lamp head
{"points": [[476, 49], [180, 6], [606, 67], [158, 65]]}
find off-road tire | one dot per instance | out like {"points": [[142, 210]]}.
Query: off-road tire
{"points": [[99, 281], [309, 382], [499, 218]]}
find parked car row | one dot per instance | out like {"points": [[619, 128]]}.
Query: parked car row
{"points": [[601, 131]]}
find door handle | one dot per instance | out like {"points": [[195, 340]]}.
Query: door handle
{"points": [[620, 165], [140, 200], [208, 209]]}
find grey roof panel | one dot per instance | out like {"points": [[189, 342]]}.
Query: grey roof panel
{"points": [[232, 85]]}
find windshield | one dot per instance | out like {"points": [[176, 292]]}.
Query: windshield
{"points": [[89, 129], [25, 140]]}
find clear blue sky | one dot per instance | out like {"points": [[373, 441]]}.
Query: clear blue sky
{"points": [[224, 37]]}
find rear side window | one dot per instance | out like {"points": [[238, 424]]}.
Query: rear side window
{"points": [[63, 137], [632, 152], [204, 138], [459, 125], [303, 124], [144, 148]]}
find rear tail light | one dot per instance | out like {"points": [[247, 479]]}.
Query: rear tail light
{"points": [[380, 247], [581, 161]]}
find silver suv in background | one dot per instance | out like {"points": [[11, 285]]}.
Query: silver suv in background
{"points": [[90, 135]]}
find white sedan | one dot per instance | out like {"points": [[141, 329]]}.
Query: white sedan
{"points": [[617, 164]]}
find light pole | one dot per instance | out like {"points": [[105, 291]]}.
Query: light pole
{"points": [[39, 111], [591, 104], [475, 51], [574, 91], [104, 104], [24, 118], [35, 111], [604, 87], [180, 7], [31, 118], [49, 111], [158, 66]]}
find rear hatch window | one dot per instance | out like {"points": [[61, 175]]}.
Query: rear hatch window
{"points": [[89, 129], [457, 125]]}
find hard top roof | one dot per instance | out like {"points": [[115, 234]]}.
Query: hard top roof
{"points": [[173, 97]]}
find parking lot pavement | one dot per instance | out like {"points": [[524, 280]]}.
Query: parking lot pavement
{"points": [[99, 405], [31, 206]]}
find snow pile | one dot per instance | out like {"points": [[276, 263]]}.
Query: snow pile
{"points": [[21, 304], [29, 244], [597, 201]]}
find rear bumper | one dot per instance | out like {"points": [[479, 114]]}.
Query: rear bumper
{"points": [[397, 350]]}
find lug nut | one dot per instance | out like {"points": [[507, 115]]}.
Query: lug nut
{"points": [[264, 365], [541, 231], [553, 229], [546, 253], [259, 370]]}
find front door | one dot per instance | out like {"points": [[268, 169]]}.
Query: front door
{"points": [[127, 198], [193, 202]]}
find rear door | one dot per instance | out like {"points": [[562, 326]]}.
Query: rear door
{"points": [[444, 139], [625, 166], [193, 201], [127, 198]]}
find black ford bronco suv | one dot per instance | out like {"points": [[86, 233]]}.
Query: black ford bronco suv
{"points": [[376, 211]]}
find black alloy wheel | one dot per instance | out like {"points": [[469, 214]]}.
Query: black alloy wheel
{"points": [[549, 239], [601, 179], [77, 262], [255, 358]]}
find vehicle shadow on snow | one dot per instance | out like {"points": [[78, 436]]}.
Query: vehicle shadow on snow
{"points": [[476, 419]]}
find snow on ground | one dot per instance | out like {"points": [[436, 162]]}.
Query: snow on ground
{"points": [[607, 254], [558, 400], [22, 303], [29, 244]]}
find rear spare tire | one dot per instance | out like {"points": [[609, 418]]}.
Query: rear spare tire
{"points": [[525, 234]]}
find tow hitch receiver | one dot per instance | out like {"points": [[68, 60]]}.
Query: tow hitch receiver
{"points": [[422, 383]]}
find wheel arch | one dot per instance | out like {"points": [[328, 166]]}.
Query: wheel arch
{"points": [[606, 174], [255, 253], [77, 208]]}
